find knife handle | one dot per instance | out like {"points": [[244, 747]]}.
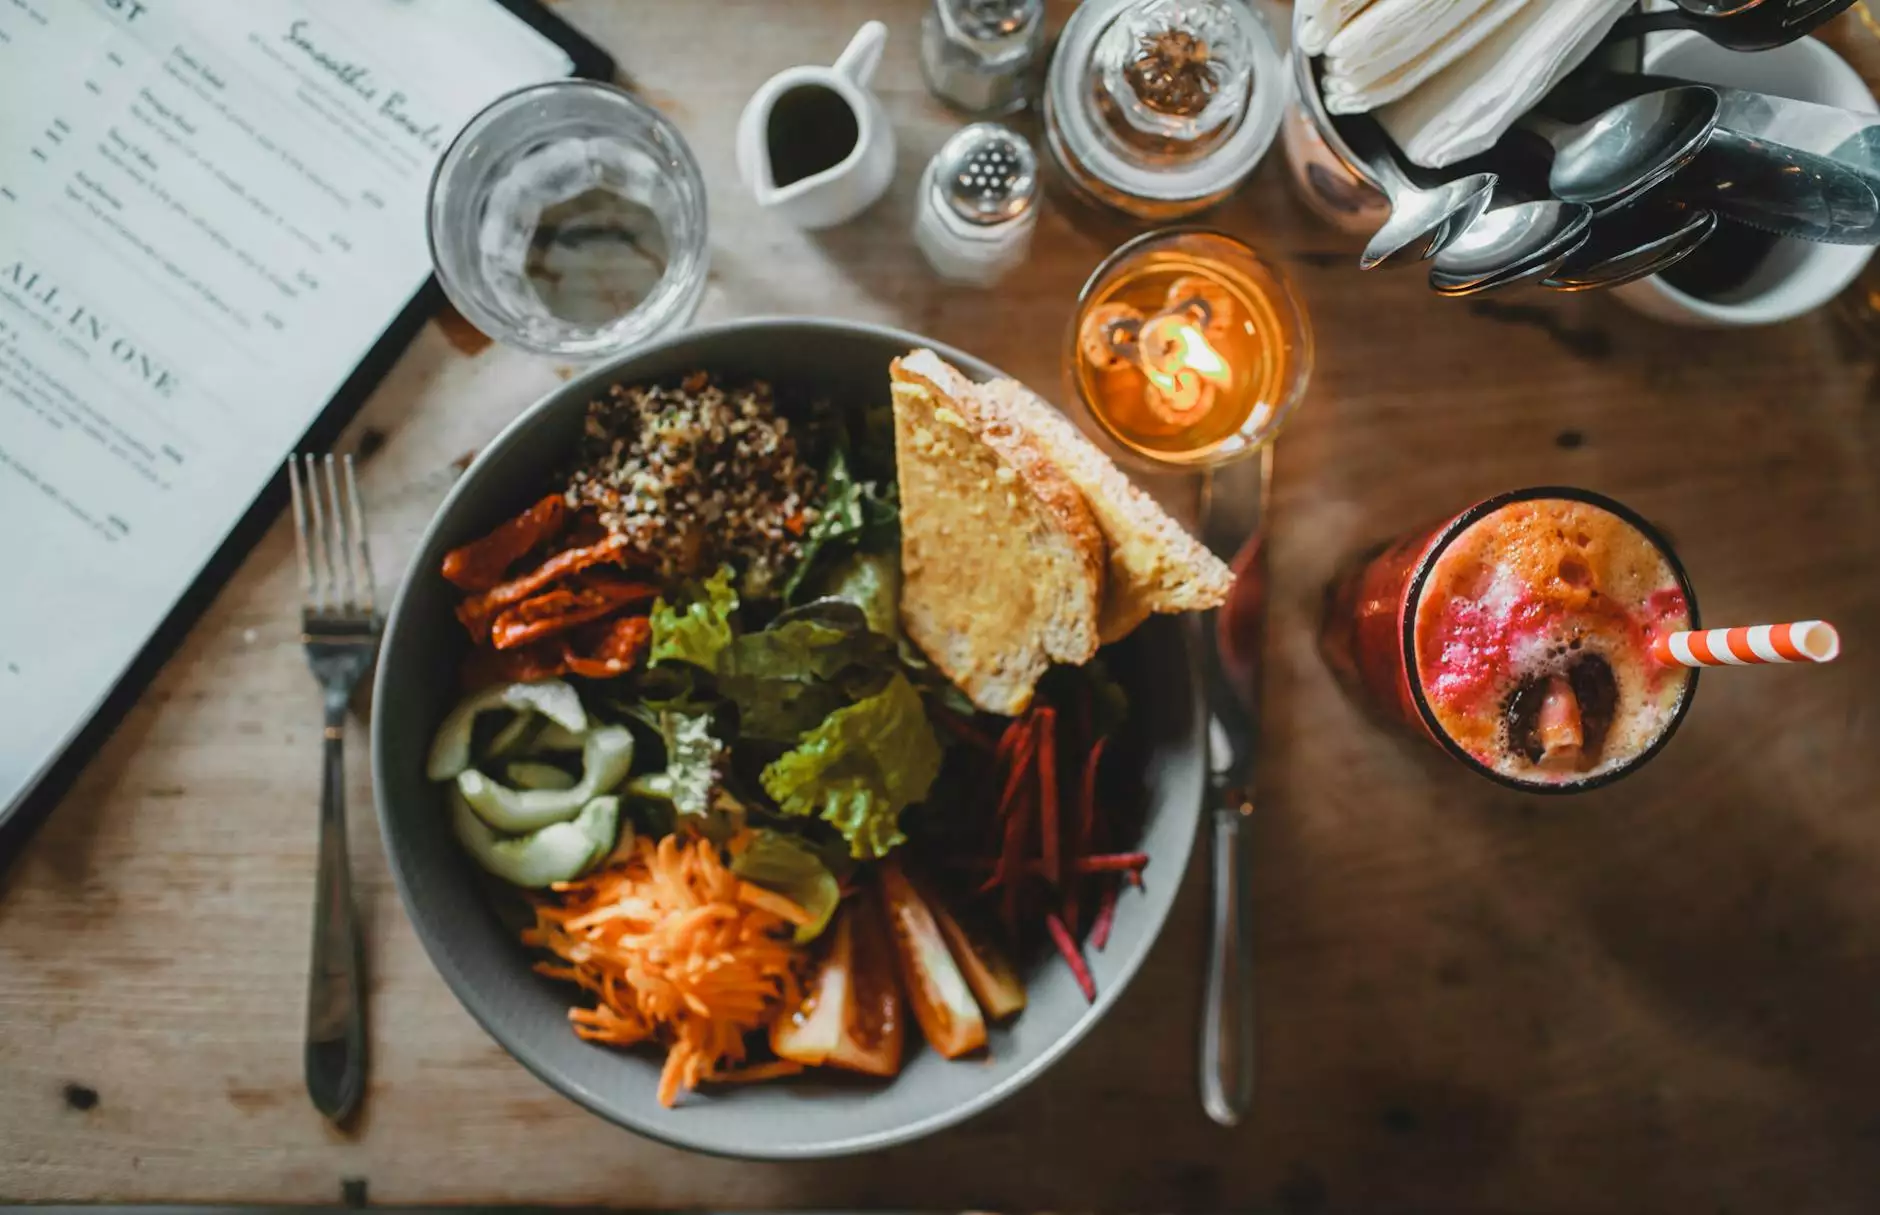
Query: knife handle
{"points": [[1227, 1011]]}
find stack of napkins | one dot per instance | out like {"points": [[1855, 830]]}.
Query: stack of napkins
{"points": [[1447, 77]]}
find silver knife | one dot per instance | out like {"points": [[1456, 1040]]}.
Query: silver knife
{"points": [[1234, 504], [1782, 190]]}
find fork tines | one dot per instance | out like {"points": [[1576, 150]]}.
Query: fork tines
{"points": [[330, 537]]}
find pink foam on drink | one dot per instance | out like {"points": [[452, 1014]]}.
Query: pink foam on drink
{"points": [[1541, 589]]}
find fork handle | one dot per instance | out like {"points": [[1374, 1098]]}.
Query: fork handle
{"points": [[336, 1030], [1227, 1002]]}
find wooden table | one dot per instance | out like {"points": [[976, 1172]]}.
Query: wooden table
{"points": [[1657, 997]]}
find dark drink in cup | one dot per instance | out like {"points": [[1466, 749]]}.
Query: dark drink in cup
{"points": [[1518, 636]]}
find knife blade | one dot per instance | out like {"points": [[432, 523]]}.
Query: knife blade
{"points": [[1234, 510], [1778, 189]]}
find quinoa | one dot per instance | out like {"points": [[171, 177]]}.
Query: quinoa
{"points": [[697, 475]]}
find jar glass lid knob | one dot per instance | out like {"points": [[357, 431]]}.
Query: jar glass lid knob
{"points": [[1174, 77]]}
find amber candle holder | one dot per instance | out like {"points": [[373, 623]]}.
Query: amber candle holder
{"points": [[1188, 348]]}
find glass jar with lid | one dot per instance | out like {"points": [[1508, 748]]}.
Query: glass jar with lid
{"points": [[1161, 108]]}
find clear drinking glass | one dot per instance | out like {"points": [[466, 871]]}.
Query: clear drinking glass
{"points": [[569, 219], [1188, 348]]}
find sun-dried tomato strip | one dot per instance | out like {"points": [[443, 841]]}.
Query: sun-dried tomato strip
{"points": [[478, 611], [482, 563], [563, 608], [608, 648]]}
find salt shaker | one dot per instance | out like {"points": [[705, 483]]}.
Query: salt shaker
{"points": [[977, 55], [978, 204]]}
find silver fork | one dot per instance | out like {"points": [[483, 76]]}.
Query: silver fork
{"points": [[339, 625]]}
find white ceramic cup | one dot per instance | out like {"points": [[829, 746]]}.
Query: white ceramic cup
{"points": [[842, 191], [1796, 276]]}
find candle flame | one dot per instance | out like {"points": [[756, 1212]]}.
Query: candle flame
{"points": [[1181, 364], [1200, 356]]}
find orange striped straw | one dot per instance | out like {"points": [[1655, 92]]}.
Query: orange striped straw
{"points": [[1802, 641]]}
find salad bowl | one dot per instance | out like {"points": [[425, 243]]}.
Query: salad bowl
{"points": [[474, 946]]}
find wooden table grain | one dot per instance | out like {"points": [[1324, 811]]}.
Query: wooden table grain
{"points": [[1661, 996]]}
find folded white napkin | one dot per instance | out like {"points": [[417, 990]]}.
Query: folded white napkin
{"points": [[1468, 105], [1316, 21], [1395, 45]]}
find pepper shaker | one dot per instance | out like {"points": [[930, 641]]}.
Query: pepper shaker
{"points": [[978, 204], [977, 55]]}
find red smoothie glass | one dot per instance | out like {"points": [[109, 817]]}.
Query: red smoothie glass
{"points": [[1517, 636]]}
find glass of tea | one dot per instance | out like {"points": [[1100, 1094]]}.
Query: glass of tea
{"points": [[1188, 348]]}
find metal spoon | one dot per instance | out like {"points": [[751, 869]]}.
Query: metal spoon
{"points": [[1629, 147], [1511, 243], [1633, 243], [1378, 150], [1422, 221]]}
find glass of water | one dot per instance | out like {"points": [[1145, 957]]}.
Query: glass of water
{"points": [[569, 219]]}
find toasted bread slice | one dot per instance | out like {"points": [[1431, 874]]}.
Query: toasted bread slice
{"points": [[1154, 565], [1001, 561]]}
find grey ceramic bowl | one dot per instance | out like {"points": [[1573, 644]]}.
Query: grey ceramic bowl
{"points": [[489, 970]]}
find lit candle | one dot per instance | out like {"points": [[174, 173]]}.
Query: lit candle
{"points": [[1187, 348], [1183, 368]]}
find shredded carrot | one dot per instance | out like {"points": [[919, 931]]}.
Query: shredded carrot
{"points": [[774, 903], [676, 949]]}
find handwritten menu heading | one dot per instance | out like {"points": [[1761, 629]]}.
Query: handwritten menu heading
{"points": [[393, 106]]}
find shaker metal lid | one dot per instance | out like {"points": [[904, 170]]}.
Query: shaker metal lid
{"points": [[989, 20], [987, 173]]}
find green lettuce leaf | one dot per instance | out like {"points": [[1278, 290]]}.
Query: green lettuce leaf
{"points": [[780, 710], [851, 514], [696, 633], [785, 864], [860, 768], [793, 674]]}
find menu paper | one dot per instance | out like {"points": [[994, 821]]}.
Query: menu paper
{"points": [[209, 212]]}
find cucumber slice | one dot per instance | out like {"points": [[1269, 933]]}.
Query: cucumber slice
{"points": [[606, 757], [450, 747], [529, 774], [559, 852]]}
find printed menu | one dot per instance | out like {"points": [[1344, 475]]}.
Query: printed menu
{"points": [[210, 210]]}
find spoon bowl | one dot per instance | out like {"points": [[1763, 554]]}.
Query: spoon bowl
{"points": [[1622, 247], [1510, 243], [1424, 222], [1423, 219], [1630, 147]]}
